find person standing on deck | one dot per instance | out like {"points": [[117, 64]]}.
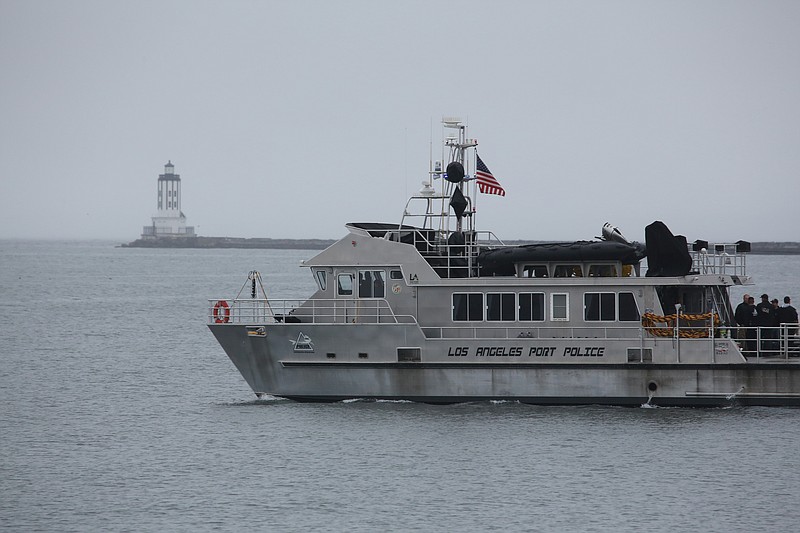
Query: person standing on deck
{"points": [[776, 324], [743, 316], [750, 348], [765, 317], [788, 315]]}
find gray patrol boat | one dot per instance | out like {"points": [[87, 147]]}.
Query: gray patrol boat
{"points": [[431, 309]]}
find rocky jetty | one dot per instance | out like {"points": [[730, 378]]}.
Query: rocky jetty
{"points": [[230, 242]]}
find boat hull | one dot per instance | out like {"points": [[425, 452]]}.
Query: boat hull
{"points": [[328, 374]]}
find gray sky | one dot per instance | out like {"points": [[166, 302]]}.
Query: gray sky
{"points": [[289, 119]]}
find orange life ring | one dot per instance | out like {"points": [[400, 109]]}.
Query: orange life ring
{"points": [[222, 312]]}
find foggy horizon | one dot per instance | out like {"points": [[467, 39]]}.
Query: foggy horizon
{"points": [[289, 120]]}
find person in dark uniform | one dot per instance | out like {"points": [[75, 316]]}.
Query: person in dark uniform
{"points": [[775, 344], [777, 311], [765, 320], [744, 318], [751, 333], [788, 315]]}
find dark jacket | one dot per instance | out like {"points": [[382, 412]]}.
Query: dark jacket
{"points": [[787, 315], [765, 314], [743, 314]]}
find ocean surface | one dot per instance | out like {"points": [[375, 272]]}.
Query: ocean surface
{"points": [[119, 412]]}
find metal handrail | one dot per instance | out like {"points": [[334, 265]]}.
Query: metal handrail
{"points": [[771, 342], [315, 311], [780, 342], [536, 332], [719, 259], [440, 250]]}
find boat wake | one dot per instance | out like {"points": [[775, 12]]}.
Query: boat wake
{"points": [[373, 400], [733, 396], [264, 399], [648, 404]]}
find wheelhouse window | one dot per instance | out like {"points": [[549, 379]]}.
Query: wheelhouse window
{"points": [[692, 299], [559, 306], [344, 284], [628, 311], [603, 271], [531, 306], [395, 274], [371, 284], [534, 271], [607, 306], [500, 306], [467, 307], [322, 280], [599, 306], [568, 271]]}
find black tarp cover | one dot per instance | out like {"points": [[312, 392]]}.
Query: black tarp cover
{"points": [[667, 254]]}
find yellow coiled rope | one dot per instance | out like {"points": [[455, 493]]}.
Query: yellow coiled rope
{"points": [[688, 330]]}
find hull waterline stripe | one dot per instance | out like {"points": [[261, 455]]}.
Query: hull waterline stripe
{"points": [[481, 365], [734, 395]]}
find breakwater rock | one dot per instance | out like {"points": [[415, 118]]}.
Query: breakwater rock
{"points": [[230, 242]]}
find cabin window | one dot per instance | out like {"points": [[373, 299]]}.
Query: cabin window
{"points": [[628, 312], [568, 271], [559, 306], [692, 299], [531, 306], [322, 280], [405, 355], [395, 274], [467, 307], [500, 306], [371, 283], [535, 271], [599, 306], [345, 284], [603, 271]]}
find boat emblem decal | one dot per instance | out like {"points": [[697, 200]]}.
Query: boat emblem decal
{"points": [[396, 288], [303, 343]]}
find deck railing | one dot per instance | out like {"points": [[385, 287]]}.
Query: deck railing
{"points": [[449, 259], [314, 311], [756, 343], [541, 332], [719, 259], [769, 342]]}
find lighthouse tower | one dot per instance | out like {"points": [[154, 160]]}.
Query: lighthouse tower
{"points": [[169, 220]]}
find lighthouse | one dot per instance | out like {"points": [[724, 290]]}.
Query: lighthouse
{"points": [[169, 220]]}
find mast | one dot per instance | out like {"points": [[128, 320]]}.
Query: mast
{"points": [[458, 145], [447, 213]]}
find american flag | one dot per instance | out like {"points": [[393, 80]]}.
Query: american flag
{"points": [[486, 182]]}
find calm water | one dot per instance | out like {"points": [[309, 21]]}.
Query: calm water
{"points": [[118, 411]]}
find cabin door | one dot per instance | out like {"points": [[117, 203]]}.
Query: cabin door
{"points": [[345, 303]]}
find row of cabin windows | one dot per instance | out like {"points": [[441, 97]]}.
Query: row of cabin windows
{"points": [[575, 271], [371, 283], [530, 307], [499, 307]]}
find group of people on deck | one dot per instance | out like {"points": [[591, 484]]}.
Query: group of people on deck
{"points": [[770, 316]]}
